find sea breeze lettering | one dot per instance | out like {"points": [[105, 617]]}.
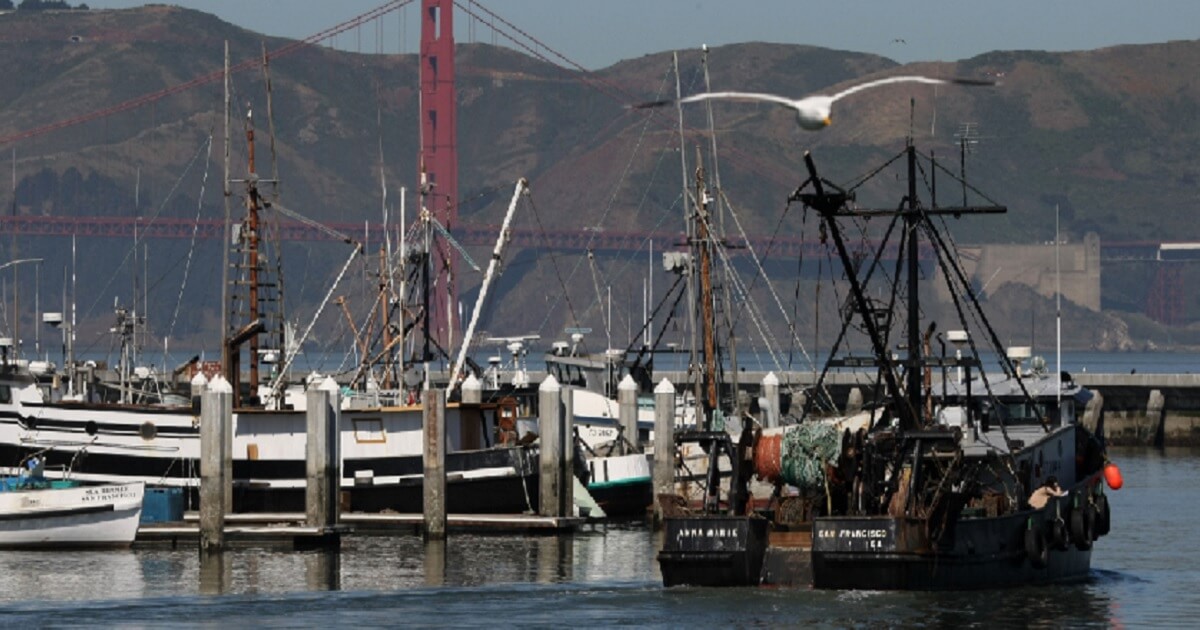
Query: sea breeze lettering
{"points": [[707, 532], [108, 493]]}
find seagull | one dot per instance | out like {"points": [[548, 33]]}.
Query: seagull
{"points": [[813, 112]]}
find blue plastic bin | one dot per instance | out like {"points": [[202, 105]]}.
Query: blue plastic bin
{"points": [[162, 505]]}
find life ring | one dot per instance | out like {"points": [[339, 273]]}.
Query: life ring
{"points": [[1059, 538], [1035, 546], [1103, 515], [1083, 526]]}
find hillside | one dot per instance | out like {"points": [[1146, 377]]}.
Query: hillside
{"points": [[1106, 135]]}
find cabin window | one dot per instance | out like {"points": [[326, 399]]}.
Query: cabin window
{"points": [[1067, 412], [5, 395], [369, 431], [1025, 412]]}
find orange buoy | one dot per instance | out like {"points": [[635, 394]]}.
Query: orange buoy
{"points": [[1112, 475]]}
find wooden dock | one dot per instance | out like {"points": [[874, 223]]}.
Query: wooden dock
{"points": [[287, 529]]}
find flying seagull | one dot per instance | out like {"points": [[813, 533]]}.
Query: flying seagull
{"points": [[813, 112]]}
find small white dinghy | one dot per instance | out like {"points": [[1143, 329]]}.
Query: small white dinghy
{"points": [[36, 512]]}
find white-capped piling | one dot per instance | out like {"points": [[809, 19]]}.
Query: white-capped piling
{"points": [[627, 410], [566, 471], [472, 390], [197, 384], [854, 401], [322, 454], [664, 445], [770, 388], [551, 439], [433, 422], [216, 418]]}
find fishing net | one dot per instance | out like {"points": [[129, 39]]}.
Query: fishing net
{"points": [[807, 447]]}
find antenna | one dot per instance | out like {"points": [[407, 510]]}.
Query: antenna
{"points": [[968, 136]]}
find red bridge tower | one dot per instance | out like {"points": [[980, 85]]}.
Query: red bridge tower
{"points": [[439, 155]]}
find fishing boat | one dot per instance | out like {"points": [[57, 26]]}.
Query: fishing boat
{"points": [[986, 479], [36, 512], [135, 439]]}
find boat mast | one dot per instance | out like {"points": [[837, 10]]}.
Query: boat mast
{"points": [[688, 221], [722, 206], [704, 245], [250, 232], [914, 366], [226, 358]]}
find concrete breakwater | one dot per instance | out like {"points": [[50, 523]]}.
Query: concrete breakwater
{"points": [[1127, 409]]}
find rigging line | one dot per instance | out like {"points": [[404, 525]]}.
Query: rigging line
{"points": [[846, 321], [624, 96], [818, 386], [149, 221], [591, 258], [679, 278], [316, 225], [453, 243], [566, 297], [869, 175], [974, 349], [641, 204], [192, 246], [591, 239], [958, 179], [587, 73], [211, 77], [1006, 363], [756, 316], [276, 385], [761, 272]]}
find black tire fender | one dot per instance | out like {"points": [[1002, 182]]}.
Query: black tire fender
{"points": [[1059, 538], [1035, 546], [1083, 526], [1103, 516]]}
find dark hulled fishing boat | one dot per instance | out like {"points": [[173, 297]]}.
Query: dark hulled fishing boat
{"points": [[931, 488]]}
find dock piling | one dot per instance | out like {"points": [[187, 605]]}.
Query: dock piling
{"points": [[472, 390], [627, 412], [770, 388], [322, 455], [216, 417], [550, 436], [566, 469], [664, 446], [433, 418]]}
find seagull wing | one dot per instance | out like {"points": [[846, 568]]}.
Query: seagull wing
{"points": [[740, 96], [907, 79]]}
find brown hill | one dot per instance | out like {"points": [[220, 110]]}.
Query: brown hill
{"points": [[1106, 135]]}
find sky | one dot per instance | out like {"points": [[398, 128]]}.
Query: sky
{"points": [[598, 33]]}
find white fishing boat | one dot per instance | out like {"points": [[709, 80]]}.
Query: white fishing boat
{"points": [[36, 512]]}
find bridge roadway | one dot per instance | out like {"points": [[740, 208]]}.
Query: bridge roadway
{"points": [[485, 235]]}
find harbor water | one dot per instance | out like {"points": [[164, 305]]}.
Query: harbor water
{"points": [[1143, 574]]}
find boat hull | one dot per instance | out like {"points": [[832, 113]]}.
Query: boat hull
{"points": [[884, 553], [713, 550], [381, 456], [621, 485], [84, 516]]}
